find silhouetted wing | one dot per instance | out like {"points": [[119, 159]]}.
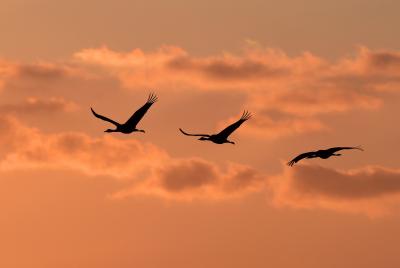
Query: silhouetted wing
{"points": [[228, 130], [335, 149], [300, 157], [138, 115], [102, 117], [187, 134]]}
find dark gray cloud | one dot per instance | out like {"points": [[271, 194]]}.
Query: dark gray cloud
{"points": [[384, 59], [187, 175], [225, 69], [365, 183], [35, 105], [42, 71]]}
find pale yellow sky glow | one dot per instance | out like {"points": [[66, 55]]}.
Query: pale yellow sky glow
{"points": [[314, 74]]}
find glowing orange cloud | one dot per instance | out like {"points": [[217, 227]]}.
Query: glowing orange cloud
{"points": [[26, 147], [298, 89], [151, 171], [286, 94], [160, 174], [188, 179]]}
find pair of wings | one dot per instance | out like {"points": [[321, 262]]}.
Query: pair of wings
{"points": [[136, 117], [316, 153], [228, 130]]}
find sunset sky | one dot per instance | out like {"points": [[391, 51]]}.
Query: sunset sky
{"points": [[315, 74]]}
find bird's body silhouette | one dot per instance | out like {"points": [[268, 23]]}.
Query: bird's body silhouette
{"points": [[222, 137], [130, 125], [324, 154]]}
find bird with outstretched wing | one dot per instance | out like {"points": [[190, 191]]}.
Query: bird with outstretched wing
{"points": [[324, 154], [130, 125], [222, 137]]}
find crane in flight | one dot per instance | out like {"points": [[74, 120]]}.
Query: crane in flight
{"points": [[222, 137], [324, 154], [130, 125]]}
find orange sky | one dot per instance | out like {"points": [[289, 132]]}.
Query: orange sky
{"points": [[315, 74]]}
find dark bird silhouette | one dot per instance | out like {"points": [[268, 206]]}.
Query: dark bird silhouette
{"points": [[324, 154], [130, 125], [222, 137]]}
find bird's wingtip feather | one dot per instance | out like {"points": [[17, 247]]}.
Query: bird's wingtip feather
{"points": [[152, 98], [246, 115]]}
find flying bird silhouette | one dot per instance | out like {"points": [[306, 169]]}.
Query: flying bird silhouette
{"points": [[130, 125], [324, 154], [222, 137]]}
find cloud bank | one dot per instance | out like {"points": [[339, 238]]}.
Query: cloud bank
{"points": [[287, 94], [370, 190], [150, 169], [299, 89]]}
